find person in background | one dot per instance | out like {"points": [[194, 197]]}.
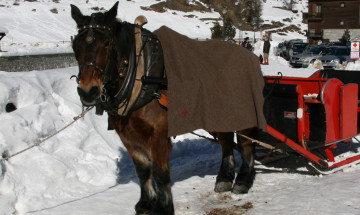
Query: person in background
{"points": [[266, 50], [261, 59], [246, 44]]}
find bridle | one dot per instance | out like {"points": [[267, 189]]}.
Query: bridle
{"points": [[89, 29], [126, 70]]}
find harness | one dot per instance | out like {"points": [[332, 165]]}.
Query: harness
{"points": [[149, 80]]}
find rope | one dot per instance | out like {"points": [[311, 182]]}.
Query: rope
{"points": [[36, 144]]}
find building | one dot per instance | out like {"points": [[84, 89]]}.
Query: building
{"points": [[328, 19]]}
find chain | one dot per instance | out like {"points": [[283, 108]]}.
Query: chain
{"points": [[36, 144]]}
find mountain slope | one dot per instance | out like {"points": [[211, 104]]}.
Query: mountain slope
{"points": [[38, 26]]}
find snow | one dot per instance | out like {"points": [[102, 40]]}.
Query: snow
{"points": [[3, 30], [86, 170]]}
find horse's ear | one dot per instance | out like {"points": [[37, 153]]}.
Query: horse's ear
{"points": [[76, 14], [110, 15]]}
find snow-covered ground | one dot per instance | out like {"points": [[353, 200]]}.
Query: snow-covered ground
{"points": [[86, 169]]}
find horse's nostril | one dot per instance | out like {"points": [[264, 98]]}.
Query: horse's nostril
{"points": [[94, 91], [81, 92], [90, 95]]}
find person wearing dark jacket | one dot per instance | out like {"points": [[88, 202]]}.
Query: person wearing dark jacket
{"points": [[266, 50], [246, 44]]}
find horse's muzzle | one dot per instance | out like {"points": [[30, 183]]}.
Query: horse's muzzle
{"points": [[88, 98]]}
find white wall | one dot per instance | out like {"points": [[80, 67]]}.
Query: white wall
{"points": [[335, 34]]}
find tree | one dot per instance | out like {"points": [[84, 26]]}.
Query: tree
{"points": [[346, 36], [216, 31], [229, 30], [253, 13], [223, 32], [257, 13]]}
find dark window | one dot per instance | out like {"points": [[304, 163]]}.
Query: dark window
{"points": [[318, 9]]}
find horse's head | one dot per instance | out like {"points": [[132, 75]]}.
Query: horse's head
{"points": [[93, 47]]}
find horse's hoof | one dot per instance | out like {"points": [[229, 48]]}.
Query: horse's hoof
{"points": [[240, 189], [222, 187]]}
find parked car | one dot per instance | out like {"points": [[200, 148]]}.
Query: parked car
{"points": [[297, 48], [333, 44], [279, 49], [310, 54], [289, 50], [335, 56]]}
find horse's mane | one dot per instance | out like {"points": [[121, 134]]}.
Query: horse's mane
{"points": [[123, 37]]}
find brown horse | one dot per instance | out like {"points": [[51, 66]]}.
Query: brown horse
{"points": [[104, 49]]}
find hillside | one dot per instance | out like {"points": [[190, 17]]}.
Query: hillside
{"points": [[42, 25]]}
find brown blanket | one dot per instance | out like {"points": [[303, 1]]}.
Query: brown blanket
{"points": [[213, 85]]}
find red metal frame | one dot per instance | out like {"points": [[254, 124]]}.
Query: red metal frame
{"points": [[348, 110], [296, 146], [341, 110]]}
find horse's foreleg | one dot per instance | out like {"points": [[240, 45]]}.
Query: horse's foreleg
{"points": [[246, 176], [143, 167], [226, 175], [160, 153]]}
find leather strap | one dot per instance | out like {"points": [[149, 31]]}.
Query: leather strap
{"points": [[139, 22]]}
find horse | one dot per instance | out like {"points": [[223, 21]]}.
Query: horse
{"points": [[105, 50]]}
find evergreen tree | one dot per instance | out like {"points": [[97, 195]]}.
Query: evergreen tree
{"points": [[257, 13], [216, 31], [346, 36], [253, 13], [229, 29]]}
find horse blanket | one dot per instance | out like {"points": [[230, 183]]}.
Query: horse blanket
{"points": [[213, 85]]}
